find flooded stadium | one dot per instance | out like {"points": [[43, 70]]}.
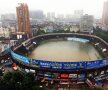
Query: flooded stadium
{"points": [[65, 51]]}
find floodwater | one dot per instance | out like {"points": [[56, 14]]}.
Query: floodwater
{"points": [[65, 51]]}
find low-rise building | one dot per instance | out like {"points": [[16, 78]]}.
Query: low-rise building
{"points": [[74, 28], [4, 32]]}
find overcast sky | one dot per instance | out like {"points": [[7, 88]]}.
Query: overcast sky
{"points": [[94, 7]]}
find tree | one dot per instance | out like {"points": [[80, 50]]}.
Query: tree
{"points": [[7, 76], [100, 33], [17, 76], [18, 80], [1, 73], [39, 32], [96, 88], [38, 88]]}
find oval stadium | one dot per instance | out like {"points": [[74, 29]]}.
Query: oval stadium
{"points": [[64, 57]]}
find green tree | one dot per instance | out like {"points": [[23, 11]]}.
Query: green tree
{"points": [[96, 88], [100, 33], [1, 73], [7, 76], [18, 80], [38, 88], [18, 76]]}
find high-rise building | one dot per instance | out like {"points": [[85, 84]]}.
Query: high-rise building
{"points": [[23, 19], [9, 16], [8, 20], [105, 13], [60, 16], [48, 16], [78, 13], [86, 23], [38, 14], [51, 16]]}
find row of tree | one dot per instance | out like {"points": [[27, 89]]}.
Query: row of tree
{"points": [[96, 31], [100, 33], [40, 32], [18, 80]]}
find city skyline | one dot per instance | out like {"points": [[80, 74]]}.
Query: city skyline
{"points": [[92, 7]]}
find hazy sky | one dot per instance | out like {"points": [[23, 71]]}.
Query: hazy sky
{"points": [[94, 7]]}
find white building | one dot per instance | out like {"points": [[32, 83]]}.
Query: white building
{"points": [[69, 16], [0, 24], [3, 46], [60, 16], [86, 23], [74, 28], [10, 16], [51, 16], [12, 30], [37, 15], [49, 29], [78, 13], [4, 32]]}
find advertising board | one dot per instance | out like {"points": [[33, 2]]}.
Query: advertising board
{"points": [[69, 65], [20, 58], [60, 65], [73, 76], [64, 76]]}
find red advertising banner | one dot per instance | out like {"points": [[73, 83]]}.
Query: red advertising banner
{"points": [[64, 76]]}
